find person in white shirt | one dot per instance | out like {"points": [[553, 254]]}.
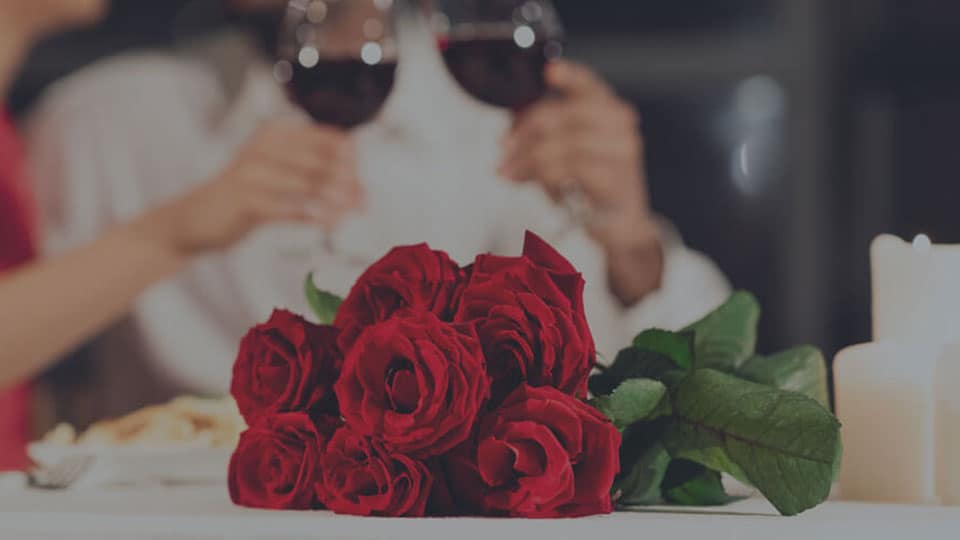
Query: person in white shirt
{"points": [[436, 166]]}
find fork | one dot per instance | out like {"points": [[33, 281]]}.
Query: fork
{"points": [[60, 475]]}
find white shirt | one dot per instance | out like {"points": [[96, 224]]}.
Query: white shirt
{"points": [[129, 133]]}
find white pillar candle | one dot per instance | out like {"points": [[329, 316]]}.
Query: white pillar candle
{"points": [[916, 291], [948, 425], [884, 395]]}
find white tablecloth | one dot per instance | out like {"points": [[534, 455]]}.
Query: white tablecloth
{"points": [[206, 513]]}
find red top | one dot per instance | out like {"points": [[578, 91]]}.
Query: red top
{"points": [[17, 226]]}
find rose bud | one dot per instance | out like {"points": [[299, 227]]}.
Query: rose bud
{"points": [[359, 476], [414, 277], [542, 454], [287, 364], [531, 321], [276, 461], [415, 382]]}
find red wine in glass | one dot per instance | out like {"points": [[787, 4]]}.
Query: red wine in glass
{"points": [[342, 92], [503, 71]]}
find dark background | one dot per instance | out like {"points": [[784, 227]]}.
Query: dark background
{"points": [[783, 135]]}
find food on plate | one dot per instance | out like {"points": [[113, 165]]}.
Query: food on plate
{"points": [[185, 421], [63, 434]]}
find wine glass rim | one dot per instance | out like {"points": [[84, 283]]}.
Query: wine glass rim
{"points": [[495, 29], [298, 32], [544, 20]]}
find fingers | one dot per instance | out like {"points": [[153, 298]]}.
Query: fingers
{"points": [[587, 130], [286, 172], [299, 135], [273, 209], [546, 139], [343, 192], [584, 138], [341, 189], [324, 211], [268, 179], [531, 151], [315, 168], [588, 164], [548, 117], [571, 79], [546, 161], [300, 172], [585, 148], [303, 149]]}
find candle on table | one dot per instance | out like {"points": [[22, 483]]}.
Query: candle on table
{"points": [[901, 430], [916, 290], [885, 401]]}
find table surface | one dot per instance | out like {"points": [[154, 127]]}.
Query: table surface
{"points": [[206, 513]]}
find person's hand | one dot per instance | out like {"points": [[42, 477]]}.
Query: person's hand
{"points": [[586, 139], [288, 171]]}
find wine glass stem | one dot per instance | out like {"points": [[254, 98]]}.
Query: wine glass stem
{"points": [[578, 206], [580, 214], [329, 243]]}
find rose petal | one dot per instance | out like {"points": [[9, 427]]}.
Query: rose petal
{"points": [[543, 254], [403, 390], [415, 382]]}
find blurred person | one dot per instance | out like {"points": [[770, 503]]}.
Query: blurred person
{"points": [[436, 166], [49, 307]]}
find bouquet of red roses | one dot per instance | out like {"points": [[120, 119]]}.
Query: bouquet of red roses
{"points": [[436, 390]]}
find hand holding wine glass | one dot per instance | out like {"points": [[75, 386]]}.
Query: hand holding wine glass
{"points": [[282, 171], [505, 53], [584, 138], [572, 134]]}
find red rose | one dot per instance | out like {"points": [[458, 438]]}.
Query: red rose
{"points": [[361, 477], [542, 454], [285, 365], [415, 382], [275, 462], [408, 277], [530, 320]]}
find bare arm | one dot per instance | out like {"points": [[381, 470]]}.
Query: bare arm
{"points": [[286, 173], [50, 307]]}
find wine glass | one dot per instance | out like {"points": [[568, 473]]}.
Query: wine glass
{"points": [[497, 50], [338, 60]]}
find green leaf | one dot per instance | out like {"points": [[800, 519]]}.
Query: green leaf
{"points": [[690, 484], [800, 370], [643, 463], [654, 354], [837, 459], [728, 336], [631, 363], [783, 443], [633, 401], [687, 440], [323, 304], [677, 346], [641, 485]]}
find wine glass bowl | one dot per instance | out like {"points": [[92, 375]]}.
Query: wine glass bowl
{"points": [[497, 50], [338, 58]]}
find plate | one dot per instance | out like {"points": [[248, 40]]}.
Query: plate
{"points": [[135, 465]]}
